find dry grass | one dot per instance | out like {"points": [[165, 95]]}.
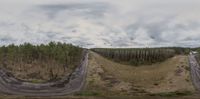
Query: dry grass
{"points": [[38, 71], [168, 76], [103, 97]]}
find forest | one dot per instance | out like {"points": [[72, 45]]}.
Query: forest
{"points": [[53, 59], [140, 56], [198, 55]]}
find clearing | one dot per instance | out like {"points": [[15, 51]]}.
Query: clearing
{"points": [[107, 77]]}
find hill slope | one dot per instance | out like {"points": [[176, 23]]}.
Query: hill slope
{"points": [[108, 77]]}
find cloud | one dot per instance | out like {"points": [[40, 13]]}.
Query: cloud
{"points": [[85, 9], [101, 23]]}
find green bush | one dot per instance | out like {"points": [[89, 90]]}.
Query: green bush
{"points": [[173, 94], [87, 93]]}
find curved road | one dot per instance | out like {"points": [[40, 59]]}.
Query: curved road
{"points": [[195, 70], [69, 84]]}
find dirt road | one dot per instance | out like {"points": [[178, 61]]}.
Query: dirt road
{"points": [[10, 85], [195, 71]]}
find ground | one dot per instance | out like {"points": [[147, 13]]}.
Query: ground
{"points": [[109, 80], [107, 77]]}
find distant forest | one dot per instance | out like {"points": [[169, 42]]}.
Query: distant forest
{"points": [[140, 56]]}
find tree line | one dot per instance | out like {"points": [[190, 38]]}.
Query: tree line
{"points": [[137, 56]]}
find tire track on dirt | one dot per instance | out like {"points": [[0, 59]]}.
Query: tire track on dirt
{"points": [[195, 70]]}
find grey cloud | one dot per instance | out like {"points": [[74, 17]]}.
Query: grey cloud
{"points": [[102, 23], [155, 30], [4, 40], [86, 9], [83, 42], [6, 24]]}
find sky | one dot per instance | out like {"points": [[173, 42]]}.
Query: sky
{"points": [[101, 23]]}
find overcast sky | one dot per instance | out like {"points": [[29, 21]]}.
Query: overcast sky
{"points": [[101, 23]]}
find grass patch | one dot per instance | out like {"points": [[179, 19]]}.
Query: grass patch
{"points": [[37, 81], [88, 93], [173, 94], [91, 81], [187, 68]]}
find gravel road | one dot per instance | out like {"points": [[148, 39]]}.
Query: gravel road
{"points": [[195, 70]]}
